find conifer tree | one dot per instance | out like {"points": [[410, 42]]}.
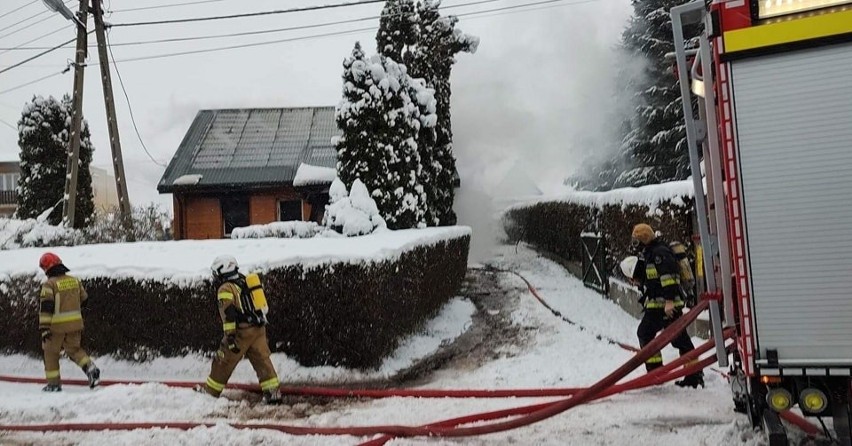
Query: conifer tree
{"points": [[44, 139]]}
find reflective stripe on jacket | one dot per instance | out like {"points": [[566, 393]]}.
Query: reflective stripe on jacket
{"points": [[60, 301], [662, 275]]}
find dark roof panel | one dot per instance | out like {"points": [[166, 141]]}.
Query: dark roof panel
{"points": [[252, 147]]}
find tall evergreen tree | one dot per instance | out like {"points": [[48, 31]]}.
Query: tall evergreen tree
{"points": [[44, 139], [655, 145], [438, 43], [380, 116], [398, 31]]}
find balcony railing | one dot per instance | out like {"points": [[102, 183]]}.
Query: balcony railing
{"points": [[8, 197]]}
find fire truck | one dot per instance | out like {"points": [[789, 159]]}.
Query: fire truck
{"points": [[767, 100]]}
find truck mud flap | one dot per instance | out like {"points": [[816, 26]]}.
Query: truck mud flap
{"points": [[775, 432]]}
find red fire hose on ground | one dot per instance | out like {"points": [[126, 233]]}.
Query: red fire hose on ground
{"points": [[449, 428], [531, 416]]}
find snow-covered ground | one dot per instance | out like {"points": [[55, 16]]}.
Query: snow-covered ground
{"points": [[553, 354]]}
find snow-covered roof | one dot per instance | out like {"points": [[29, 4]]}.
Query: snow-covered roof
{"points": [[309, 175], [253, 147]]}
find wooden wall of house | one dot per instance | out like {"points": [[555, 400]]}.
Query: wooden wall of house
{"points": [[263, 209], [203, 218], [200, 216]]}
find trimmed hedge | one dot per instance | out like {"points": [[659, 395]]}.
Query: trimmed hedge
{"points": [[340, 314], [556, 226]]}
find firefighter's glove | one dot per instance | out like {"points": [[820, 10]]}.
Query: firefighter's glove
{"points": [[669, 308], [231, 340], [45, 335]]}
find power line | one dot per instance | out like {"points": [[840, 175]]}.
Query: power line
{"points": [[18, 8], [313, 36], [129, 106], [145, 8], [250, 14], [28, 26], [37, 38], [9, 125], [43, 53], [30, 82], [337, 33], [257, 32]]}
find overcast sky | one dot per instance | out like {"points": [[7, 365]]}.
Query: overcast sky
{"points": [[534, 97]]}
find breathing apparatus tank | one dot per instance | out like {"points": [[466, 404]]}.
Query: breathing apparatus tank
{"points": [[258, 297]]}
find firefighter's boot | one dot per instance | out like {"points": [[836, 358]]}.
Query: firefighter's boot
{"points": [[694, 380], [272, 396], [52, 388], [94, 375]]}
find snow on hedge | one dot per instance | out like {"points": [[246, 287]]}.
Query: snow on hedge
{"points": [[650, 196], [185, 262], [279, 229]]}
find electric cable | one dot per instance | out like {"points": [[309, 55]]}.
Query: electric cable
{"points": [[19, 8], [129, 106], [248, 14]]}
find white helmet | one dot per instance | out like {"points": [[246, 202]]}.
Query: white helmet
{"points": [[224, 265], [628, 266]]}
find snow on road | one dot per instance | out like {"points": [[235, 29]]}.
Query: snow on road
{"points": [[551, 353]]}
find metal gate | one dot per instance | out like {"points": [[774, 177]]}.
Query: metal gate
{"points": [[594, 261]]}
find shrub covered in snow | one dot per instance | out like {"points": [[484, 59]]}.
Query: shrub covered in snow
{"points": [[149, 223], [554, 224], [344, 302], [279, 229], [352, 214]]}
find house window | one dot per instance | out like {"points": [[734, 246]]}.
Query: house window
{"points": [[235, 213], [9, 181], [290, 210]]}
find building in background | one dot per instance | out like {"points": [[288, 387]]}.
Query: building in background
{"points": [[241, 167], [103, 187], [10, 172]]}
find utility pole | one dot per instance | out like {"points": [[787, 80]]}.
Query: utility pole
{"points": [[70, 202], [112, 122]]}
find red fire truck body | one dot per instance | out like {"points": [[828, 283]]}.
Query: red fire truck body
{"points": [[772, 132]]}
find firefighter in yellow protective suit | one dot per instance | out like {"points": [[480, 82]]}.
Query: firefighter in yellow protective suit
{"points": [[60, 322], [244, 326]]}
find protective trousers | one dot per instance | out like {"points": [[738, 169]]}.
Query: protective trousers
{"points": [[252, 344], [653, 321], [53, 347]]}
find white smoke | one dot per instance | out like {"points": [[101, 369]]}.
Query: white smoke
{"points": [[538, 98]]}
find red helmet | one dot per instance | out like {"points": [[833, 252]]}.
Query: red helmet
{"points": [[49, 260]]}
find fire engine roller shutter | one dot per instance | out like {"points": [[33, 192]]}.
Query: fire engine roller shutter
{"points": [[794, 124]]}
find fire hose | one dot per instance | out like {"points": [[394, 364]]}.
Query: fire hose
{"points": [[527, 417], [448, 428], [556, 312]]}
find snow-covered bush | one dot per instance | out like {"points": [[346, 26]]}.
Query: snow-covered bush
{"points": [[352, 214], [554, 224], [279, 229], [149, 223], [342, 302], [31, 233]]}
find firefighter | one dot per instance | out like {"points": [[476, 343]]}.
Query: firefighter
{"points": [[658, 273], [244, 327], [60, 322]]}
